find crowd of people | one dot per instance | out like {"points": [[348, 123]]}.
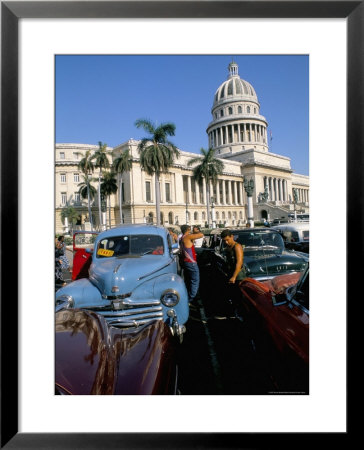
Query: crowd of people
{"points": [[234, 257], [61, 261]]}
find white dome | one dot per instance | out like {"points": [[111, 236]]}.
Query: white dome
{"points": [[234, 88]]}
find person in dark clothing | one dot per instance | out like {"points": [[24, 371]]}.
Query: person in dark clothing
{"points": [[234, 255]]}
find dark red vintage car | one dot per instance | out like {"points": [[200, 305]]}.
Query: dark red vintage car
{"points": [[93, 358], [277, 317]]}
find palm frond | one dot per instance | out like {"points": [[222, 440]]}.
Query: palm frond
{"points": [[146, 124]]}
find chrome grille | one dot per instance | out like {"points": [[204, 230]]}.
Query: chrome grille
{"points": [[131, 313]]}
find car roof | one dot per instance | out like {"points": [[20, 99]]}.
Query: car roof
{"points": [[250, 230], [134, 229], [292, 226]]}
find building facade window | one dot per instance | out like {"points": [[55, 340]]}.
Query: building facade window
{"points": [[63, 198], [200, 188], [63, 177], [76, 177], [148, 194], [193, 190], [195, 215], [227, 192], [230, 110], [239, 110], [76, 155], [221, 113], [185, 188], [77, 197], [221, 198], [168, 192], [61, 155]]}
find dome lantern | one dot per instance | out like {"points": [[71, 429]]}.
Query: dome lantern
{"points": [[233, 69]]}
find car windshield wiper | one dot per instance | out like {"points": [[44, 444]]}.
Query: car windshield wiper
{"points": [[148, 251]]}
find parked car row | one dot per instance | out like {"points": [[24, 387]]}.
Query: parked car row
{"points": [[119, 322]]}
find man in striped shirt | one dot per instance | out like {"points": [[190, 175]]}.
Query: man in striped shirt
{"points": [[188, 256]]}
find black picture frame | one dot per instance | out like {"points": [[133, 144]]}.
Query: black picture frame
{"points": [[11, 12]]}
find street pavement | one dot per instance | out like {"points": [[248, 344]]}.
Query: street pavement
{"points": [[217, 355]]}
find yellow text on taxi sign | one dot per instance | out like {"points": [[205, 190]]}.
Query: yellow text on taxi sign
{"points": [[104, 252]]}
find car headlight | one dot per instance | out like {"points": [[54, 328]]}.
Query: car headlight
{"points": [[170, 297], [64, 302]]}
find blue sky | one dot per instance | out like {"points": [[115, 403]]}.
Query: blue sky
{"points": [[99, 98]]}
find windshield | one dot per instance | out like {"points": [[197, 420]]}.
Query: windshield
{"points": [[260, 240], [130, 245]]}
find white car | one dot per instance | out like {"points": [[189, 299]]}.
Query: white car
{"points": [[296, 236]]}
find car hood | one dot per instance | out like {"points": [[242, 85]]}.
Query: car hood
{"points": [[120, 276], [94, 359], [273, 263]]}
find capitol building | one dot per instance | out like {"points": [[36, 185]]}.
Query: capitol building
{"points": [[238, 134]]}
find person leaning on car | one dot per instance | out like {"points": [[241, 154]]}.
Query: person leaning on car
{"points": [[234, 255], [189, 260]]}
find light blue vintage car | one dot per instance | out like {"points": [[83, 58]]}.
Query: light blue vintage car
{"points": [[133, 280]]}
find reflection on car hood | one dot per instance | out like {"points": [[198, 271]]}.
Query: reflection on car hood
{"points": [[92, 358], [268, 263], [124, 273]]}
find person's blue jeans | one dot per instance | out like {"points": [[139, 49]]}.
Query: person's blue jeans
{"points": [[193, 279]]}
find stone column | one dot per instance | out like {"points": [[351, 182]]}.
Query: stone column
{"points": [[223, 192], [189, 197], [274, 189], [197, 189], [284, 189], [236, 192], [279, 189]]}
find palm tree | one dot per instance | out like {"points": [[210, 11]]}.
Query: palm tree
{"points": [[122, 164], [157, 153], [86, 190], [208, 168], [108, 186], [102, 162], [71, 214], [87, 167]]}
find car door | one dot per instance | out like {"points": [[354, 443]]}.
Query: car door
{"points": [[83, 244]]}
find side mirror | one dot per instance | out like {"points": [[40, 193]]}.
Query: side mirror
{"points": [[175, 250], [89, 251]]}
